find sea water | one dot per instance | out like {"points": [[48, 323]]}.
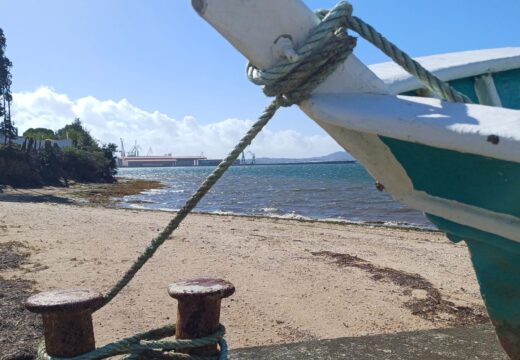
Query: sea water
{"points": [[343, 192]]}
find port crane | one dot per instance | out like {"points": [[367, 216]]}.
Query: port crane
{"points": [[134, 151], [123, 154], [253, 157], [243, 160]]}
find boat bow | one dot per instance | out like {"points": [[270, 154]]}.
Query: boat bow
{"points": [[458, 163]]}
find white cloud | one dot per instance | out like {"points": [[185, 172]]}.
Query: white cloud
{"points": [[109, 120]]}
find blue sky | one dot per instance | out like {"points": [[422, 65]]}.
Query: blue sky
{"points": [[160, 56]]}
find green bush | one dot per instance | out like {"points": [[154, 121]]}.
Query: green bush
{"points": [[85, 161], [54, 166], [18, 168], [88, 166]]}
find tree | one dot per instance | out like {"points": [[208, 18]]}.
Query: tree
{"points": [[110, 168], [80, 137], [40, 134], [7, 127]]}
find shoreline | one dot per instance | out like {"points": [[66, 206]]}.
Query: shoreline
{"points": [[298, 218], [296, 279], [109, 195]]}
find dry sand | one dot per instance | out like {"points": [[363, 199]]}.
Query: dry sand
{"points": [[295, 280]]}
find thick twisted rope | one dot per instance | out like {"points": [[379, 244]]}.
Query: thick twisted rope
{"points": [[148, 345], [341, 17], [292, 88], [190, 204], [432, 82]]}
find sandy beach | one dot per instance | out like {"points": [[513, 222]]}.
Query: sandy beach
{"points": [[295, 280]]}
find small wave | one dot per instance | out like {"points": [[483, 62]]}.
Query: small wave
{"points": [[290, 216], [137, 206], [271, 210], [310, 190], [167, 209], [295, 216], [138, 201], [156, 191], [389, 224], [220, 212], [408, 225]]}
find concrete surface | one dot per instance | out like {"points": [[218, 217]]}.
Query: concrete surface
{"points": [[475, 343]]}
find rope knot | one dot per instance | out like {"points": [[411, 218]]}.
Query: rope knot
{"points": [[321, 53], [327, 46]]}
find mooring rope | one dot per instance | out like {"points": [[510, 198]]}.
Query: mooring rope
{"points": [[290, 83], [340, 17], [148, 345], [293, 88], [432, 82]]}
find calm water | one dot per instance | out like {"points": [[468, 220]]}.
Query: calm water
{"points": [[320, 191]]}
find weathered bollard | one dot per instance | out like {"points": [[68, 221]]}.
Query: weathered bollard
{"points": [[67, 320], [198, 310]]}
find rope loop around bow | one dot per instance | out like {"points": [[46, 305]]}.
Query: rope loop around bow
{"points": [[327, 46], [295, 81]]}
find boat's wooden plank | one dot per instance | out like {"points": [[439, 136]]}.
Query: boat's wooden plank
{"points": [[486, 91]]}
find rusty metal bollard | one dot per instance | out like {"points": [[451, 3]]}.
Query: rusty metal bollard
{"points": [[67, 320], [198, 310]]}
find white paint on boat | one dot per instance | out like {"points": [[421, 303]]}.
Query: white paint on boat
{"points": [[492, 222], [253, 26], [449, 67], [459, 127]]}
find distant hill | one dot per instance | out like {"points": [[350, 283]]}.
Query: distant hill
{"points": [[337, 156]]}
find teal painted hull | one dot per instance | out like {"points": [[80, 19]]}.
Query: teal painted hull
{"points": [[486, 183], [497, 265], [490, 184], [507, 84]]}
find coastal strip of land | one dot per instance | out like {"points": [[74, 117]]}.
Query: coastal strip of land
{"points": [[295, 280]]}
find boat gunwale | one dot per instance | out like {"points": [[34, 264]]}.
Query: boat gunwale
{"points": [[449, 67], [411, 118]]}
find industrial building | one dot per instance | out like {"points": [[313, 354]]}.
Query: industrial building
{"points": [[132, 158], [167, 161]]}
